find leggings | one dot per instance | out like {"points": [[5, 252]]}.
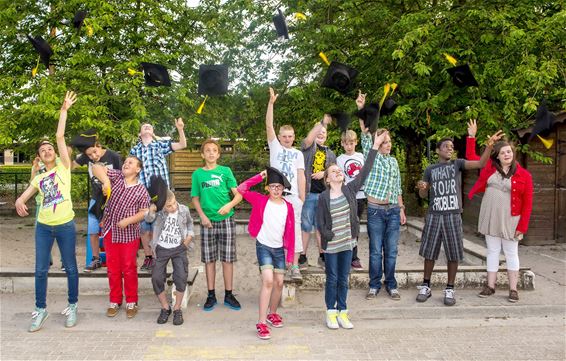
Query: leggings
{"points": [[510, 249]]}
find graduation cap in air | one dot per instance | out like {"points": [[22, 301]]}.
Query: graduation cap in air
{"points": [[340, 77], [213, 79], [462, 76], [543, 124], [158, 191], [275, 176], [84, 140], [155, 74], [370, 115], [388, 107], [42, 47], [79, 19], [343, 120], [281, 24]]}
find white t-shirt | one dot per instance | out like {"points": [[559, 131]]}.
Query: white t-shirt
{"points": [[170, 236], [273, 227], [351, 165], [287, 161]]}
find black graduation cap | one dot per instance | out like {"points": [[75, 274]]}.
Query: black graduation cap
{"points": [[213, 79], [340, 77], [544, 121], [85, 139], [343, 120], [275, 176], [281, 24], [155, 74], [158, 191], [388, 107], [79, 19], [370, 115], [462, 76], [42, 47]]}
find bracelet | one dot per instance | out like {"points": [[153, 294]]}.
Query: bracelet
{"points": [[402, 206]]}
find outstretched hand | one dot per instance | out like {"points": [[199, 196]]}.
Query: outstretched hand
{"points": [[361, 99], [272, 96], [70, 99], [263, 174], [179, 123], [494, 138], [378, 140], [472, 128]]}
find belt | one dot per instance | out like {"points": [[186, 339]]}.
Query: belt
{"points": [[382, 206]]}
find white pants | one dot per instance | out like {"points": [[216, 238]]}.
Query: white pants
{"points": [[297, 208], [510, 249]]}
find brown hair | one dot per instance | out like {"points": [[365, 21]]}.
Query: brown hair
{"points": [[209, 141], [495, 153], [41, 143], [140, 163], [326, 172]]}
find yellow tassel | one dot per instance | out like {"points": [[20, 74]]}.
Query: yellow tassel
{"points": [[89, 30], [386, 89], [450, 59], [324, 58], [300, 16], [133, 72], [546, 142], [34, 70], [201, 106], [393, 87], [428, 117]]}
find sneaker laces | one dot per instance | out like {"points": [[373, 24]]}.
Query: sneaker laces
{"points": [[130, 305], [114, 305], [423, 289], [69, 310], [449, 293], [34, 314]]}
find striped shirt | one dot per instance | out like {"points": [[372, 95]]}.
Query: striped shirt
{"points": [[125, 201], [153, 159], [384, 179], [340, 214]]}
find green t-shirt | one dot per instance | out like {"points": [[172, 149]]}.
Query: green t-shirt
{"points": [[213, 187]]}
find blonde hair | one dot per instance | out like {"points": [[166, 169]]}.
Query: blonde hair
{"points": [[348, 136], [170, 195], [286, 127], [380, 131]]}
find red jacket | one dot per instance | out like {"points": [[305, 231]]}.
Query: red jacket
{"points": [[521, 187], [258, 202]]}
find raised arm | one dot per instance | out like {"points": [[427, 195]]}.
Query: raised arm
{"points": [[360, 103], [269, 129], [359, 181], [471, 153], [101, 173], [70, 99], [474, 164], [309, 140], [182, 143], [245, 186]]}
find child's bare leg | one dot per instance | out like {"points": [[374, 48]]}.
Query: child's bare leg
{"points": [[178, 300], [228, 271], [276, 292], [265, 293], [210, 275], [163, 300]]}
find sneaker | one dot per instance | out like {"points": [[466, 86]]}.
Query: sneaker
{"points": [[93, 266], [71, 313], [178, 317], [163, 316], [296, 274], [321, 263], [210, 303], [231, 302], [344, 321], [113, 309], [513, 296], [424, 293], [275, 320], [394, 294], [486, 291], [332, 319], [372, 293], [287, 277], [449, 299], [146, 263], [263, 331], [303, 262], [38, 318], [131, 309], [357, 265], [62, 267]]}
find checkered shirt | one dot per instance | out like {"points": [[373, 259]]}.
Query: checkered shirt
{"points": [[125, 201], [384, 179], [153, 158]]}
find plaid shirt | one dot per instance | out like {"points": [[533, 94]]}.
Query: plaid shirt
{"points": [[384, 179], [125, 201], [153, 158]]}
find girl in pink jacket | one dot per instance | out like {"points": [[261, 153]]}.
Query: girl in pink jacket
{"points": [[272, 224]]}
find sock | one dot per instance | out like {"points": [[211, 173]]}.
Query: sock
{"points": [[449, 287], [426, 282], [227, 292], [211, 293]]}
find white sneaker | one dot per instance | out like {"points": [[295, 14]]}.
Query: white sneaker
{"points": [[344, 321], [332, 319]]}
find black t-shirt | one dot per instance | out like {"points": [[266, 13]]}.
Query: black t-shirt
{"points": [[318, 165], [110, 160]]}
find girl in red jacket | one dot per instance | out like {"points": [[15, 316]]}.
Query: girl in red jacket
{"points": [[505, 211], [272, 224]]}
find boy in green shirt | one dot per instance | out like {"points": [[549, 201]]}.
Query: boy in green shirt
{"points": [[211, 188]]}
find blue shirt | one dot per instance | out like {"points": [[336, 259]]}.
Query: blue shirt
{"points": [[153, 159]]}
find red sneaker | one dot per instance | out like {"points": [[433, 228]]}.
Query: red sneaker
{"points": [[275, 320], [263, 331]]}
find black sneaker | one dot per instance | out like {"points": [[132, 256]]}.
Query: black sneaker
{"points": [[163, 316], [177, 317], [232, 302], [93, 266], [210, 303], [303, 262]]}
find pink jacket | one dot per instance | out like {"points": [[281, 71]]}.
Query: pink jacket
{"points": [[258, 202]]}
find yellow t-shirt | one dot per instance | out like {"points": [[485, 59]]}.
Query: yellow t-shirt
{"points": [[54, 187]]}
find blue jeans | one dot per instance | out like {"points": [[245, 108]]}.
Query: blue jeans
{"points": [[383, 231], [270, 258], [308, 214], [337, 267], [45, 235]]}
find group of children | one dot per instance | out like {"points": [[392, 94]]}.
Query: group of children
{"points": [[308, 189]]}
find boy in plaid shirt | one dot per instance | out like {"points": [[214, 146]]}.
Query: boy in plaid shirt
{"points": [[124, 211]]}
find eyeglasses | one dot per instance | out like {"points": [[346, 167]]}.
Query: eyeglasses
{"points": [[275, 187]]}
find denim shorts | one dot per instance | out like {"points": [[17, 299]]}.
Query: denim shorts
{"points": [[270, 258], [308, 216], [93, 222], [146, 227]]}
